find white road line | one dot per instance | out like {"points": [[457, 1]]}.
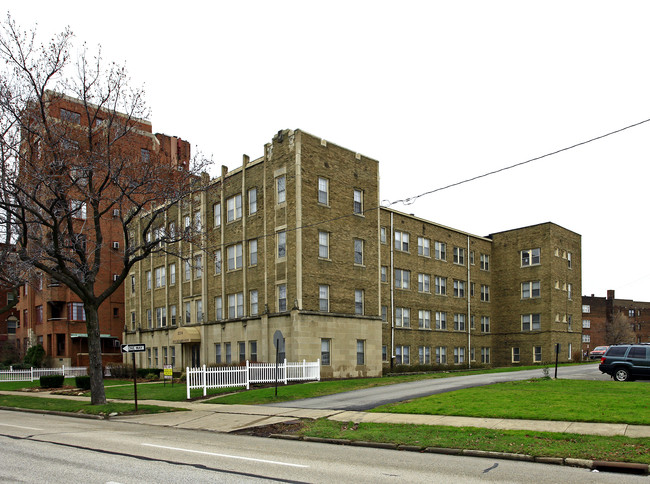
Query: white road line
{"points": [[225, 455], [19, 426]]}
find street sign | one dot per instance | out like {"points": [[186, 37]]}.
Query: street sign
{"points": [[133, 348]]}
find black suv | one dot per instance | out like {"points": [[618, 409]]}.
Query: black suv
{"points": [[626, 362]]}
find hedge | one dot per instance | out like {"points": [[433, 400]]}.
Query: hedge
{"points": [[51, 381]]}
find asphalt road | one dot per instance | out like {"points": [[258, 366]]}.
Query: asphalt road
{"points": [[48, 448], [373, 397]]}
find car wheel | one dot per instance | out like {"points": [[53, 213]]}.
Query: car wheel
{"points": [[622, 374]]}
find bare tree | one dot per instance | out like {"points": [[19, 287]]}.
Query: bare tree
{"points": [[619, 330], [67, 181]]}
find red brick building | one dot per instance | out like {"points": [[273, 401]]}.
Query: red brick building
{"points": [[597, 312], [9, 321], [50, 313]]}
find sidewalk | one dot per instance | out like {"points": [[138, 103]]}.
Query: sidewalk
{"points": [[230, 418]]}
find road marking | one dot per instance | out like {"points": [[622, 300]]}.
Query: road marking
{"points": [[19, 426], [226, 455]]}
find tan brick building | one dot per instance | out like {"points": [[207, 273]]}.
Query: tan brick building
{"points": [[296, 241]]}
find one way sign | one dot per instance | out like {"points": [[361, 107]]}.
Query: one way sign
{"points": [[133, 348]]}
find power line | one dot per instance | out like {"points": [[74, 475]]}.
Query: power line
{"points": [[411, 200]]}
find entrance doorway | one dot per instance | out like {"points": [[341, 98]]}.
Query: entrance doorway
{"points": [[195, 351]]}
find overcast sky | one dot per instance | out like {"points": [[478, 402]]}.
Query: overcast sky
{"points": [[436, 91]]}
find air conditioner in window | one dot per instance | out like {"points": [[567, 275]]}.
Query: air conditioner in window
{"points": [[115, 277], [116, 245], [116, 212]]}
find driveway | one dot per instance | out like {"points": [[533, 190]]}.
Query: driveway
{"points": [[373, 397]]}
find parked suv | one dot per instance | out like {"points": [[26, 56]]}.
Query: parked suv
{"points": [[626, 362]]}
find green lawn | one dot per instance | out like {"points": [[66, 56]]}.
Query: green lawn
{"points": [[158, 391], [540, 399], [74, 406], [547, 444]]}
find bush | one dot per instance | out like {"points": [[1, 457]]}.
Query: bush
{"points": [[35, 355], [120, 370], [82, 382], [51, 381], [148, 373]]}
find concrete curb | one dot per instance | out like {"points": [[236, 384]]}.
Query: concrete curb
{"points": [[56, 412], [624, 467]]}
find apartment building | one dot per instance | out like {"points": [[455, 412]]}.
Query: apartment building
{"points": [[296, 242], [50, 313], [599, 312]]}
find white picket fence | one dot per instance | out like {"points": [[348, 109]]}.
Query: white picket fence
{"points": [[35, 373], [243, 376]]}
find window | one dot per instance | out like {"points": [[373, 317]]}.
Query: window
{"points": [[187, 222], [424, 319], [133, 321], [586, 308], [424, 352], [165, 353], [76, 312], [147, 277], [358, 202], [199, 310], [459, 322], [242, 351], [382, 235], [252, 349], [198, 225], [384, 314], [218, 308], [441, 320], [228, 354], [630, 313], [217, 261], [235, 257], [325, 351], [569, 290], [161, 317], [172, 274], [440, 285], [282, 297], [384, 273], [252, 252], [402, 278], [78, 209], [531, 322], [188, 270], [145, 155], [361, 352], [440, 250], [282, 244], [472, 286], [530, 257], [403, 317], [485, 355], [358, 301], [403, 355], [149, 357], [515, 355], [485, 293], [424, 283], [537, 354], [459, 256], [233, 208], [236, 305], [401, 241], [384, 353], [586, 338], [586, 323], [252, 201], [568, 260], [70, 116], [484, 263], [253, 296], [323, 191], [459, 288], [172, 314], [324, 298], [485, 324], [149, 319], [188, 313], [358, 251], [424, 247], [216, 210], [570, 348], [441, 355], [198, 267], [281, 189], [171, 230], [530, 289], [39, 314], [324, 245], [459, 355], [161, 278]]}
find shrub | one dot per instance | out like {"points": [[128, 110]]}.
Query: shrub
{"points": [[35, 355], [120, 370], [149, 373], [82, 382], [51, 381]]}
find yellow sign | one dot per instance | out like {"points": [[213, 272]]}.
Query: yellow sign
{"points": [[168, 372]]}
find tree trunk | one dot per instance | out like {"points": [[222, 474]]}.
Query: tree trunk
{"points": [[97, 394]]}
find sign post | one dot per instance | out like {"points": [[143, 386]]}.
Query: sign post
{"points": [[133, 349], [278, 341], [557, 354]]}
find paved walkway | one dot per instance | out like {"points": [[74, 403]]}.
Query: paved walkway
{"points": [[229, 418]]}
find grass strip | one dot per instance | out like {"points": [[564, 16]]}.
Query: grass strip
{"points": [[537, 444], [540, 399], [74, 406]]}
